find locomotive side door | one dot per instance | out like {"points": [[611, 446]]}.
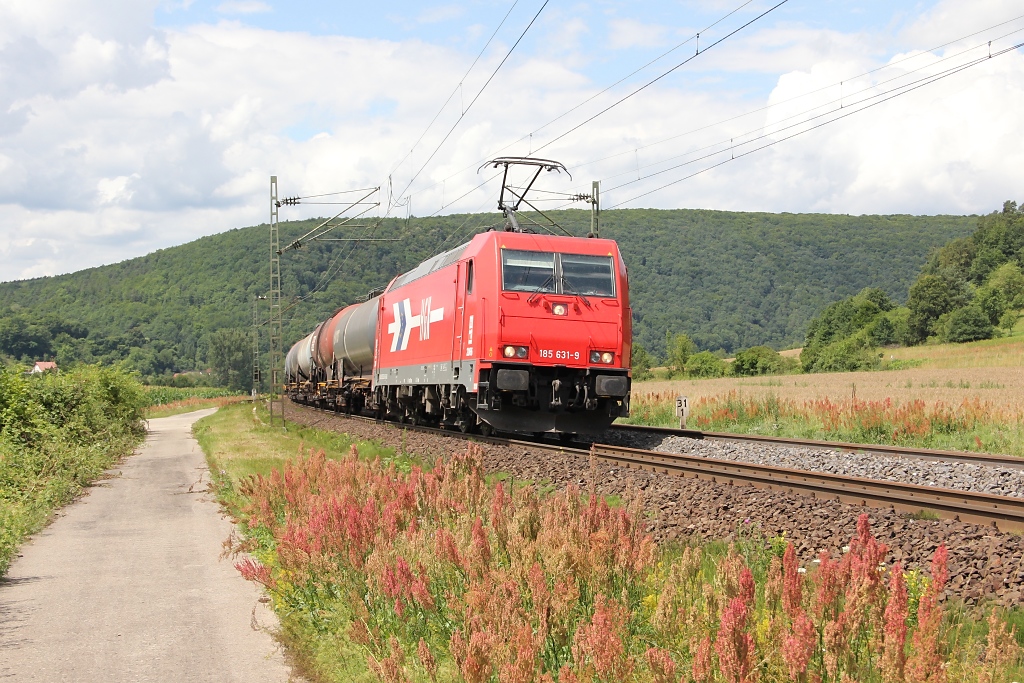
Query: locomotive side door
{"points": [[462, 343]]}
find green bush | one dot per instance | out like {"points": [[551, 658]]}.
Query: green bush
{"points": [[641, 362], [705, 364], [966, 324], [847, 355], [1008, 320], [759, 360], [58, 432], [680, 348]]}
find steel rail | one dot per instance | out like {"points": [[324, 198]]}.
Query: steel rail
{"points": [[990, 459], [1003, 512]]}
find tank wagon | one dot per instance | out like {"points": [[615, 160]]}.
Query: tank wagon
{"points": [[511, 331]]}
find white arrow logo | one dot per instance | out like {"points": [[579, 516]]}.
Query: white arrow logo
{"points": [[405, 321]]}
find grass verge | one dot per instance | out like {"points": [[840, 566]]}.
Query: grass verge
{"points": [[970, 425], [189, 405], [382, 570]]}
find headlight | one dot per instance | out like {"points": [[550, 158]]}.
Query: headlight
{"points": [[607, 357], [515, 352], [560, 309], [595, 356]]}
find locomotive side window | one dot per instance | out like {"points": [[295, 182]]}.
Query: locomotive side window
{"points": [[469, 277], [587, 275], [527, 271]]}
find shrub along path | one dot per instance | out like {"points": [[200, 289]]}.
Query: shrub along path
{"points": [[127, 584]]}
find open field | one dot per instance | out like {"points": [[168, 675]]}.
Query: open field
{"points": [[991, 370], [386, 573], [188, 405], [952, 396]]}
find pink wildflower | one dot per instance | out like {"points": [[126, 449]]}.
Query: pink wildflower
{"points": [[421, 593], [663, 668], [925, 664], [601, 642], [427, 659], [735, 647], [894, 656], [702, 661], [747, 587], [791, 582], [252, 570], [799, 645], [481, 548]]}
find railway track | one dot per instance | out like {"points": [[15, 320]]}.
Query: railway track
{"points": [[1004, 512], [990, 459]]}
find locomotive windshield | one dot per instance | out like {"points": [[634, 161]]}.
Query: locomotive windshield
{"points": [[538, 271], [587, 275]]}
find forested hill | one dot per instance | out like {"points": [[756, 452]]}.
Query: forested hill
{"points": [[729, 280]]}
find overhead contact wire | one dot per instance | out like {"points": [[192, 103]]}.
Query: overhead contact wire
{"points": [[655, 80], [455, 90], [950, 72], [476, 97]]}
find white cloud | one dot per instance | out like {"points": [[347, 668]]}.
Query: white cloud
{"points": [[243, 7], [117, 139]]}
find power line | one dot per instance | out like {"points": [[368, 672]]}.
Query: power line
{"points": [[457, 88], [507, 146], [903, 91], [741, 137], [663, 75], [475, 98], [808, 93]]}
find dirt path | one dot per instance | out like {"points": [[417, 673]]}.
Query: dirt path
{"points": [[127, 584]]}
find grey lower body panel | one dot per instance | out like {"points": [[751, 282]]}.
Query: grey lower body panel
{"points": [[445, 372]]}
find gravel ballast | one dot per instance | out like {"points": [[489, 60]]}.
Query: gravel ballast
{"points": [[1000, 481], [984, 562]]}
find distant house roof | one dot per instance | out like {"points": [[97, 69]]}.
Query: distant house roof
{"points": [[43, 366]]}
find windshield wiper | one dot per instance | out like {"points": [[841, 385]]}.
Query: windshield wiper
{"points": [[540, 288], [566, 283]]}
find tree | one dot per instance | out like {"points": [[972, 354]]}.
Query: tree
{"points": [[993, 302], [848, 355], [969, 323], [680, 348], [230, 358], [759, 360], [1008, 321], [641, 363], [1008, 279], [705, 364], [930, 297], [882, 332]]}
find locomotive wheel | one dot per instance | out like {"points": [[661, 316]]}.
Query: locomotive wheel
{"points": [[486, 429]]}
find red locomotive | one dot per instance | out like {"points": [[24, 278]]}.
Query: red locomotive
{"points": [[511, 331]]}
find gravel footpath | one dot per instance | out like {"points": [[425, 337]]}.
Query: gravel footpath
{"points": [[983, 562]]}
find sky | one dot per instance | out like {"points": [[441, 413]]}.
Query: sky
{"points": [[128, 126]]}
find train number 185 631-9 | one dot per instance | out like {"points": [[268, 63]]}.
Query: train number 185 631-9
{"points": [[560, 355]]}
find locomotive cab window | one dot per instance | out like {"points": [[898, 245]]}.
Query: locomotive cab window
{"points": [[587, 275], [546, 272], [527, 271], [469, 277]]}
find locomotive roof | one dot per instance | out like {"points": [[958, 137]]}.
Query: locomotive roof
{"points": [[515, 240]]}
